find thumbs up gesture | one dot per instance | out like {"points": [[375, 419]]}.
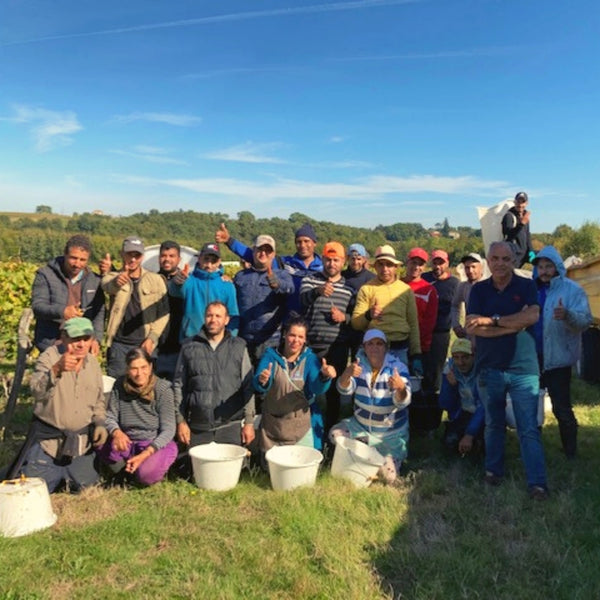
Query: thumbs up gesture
{"points": [[337, 316], [222, 234], [327, 371], [272, 278], [105, 264], [123, 278], [354, 369], [376, 311], [265, 375], [395, 382], [72, 310], [560, 312], [69, 361], [182, 274]]}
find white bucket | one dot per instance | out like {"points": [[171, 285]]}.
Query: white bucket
{"points": [[217, 466], [25, 506], [355, 461], [293, 466], [544, 406]]}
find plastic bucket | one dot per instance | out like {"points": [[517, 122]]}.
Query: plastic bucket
{"points": [[293, 466], [25, 506], [217, 466], [355, 461], [544, 406]]}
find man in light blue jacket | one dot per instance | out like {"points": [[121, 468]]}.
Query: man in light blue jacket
{"points": [[564, 314]]}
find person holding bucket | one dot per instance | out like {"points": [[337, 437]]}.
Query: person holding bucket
{"points": [[290, 378], [380, 385], [141, 422]]}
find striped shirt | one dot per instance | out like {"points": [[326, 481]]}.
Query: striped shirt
{"points": [[322, 329]]}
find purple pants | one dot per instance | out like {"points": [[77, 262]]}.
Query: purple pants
{"points": [[153, 469]]}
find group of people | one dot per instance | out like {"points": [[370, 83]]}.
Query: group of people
{"points": [[195, 355]]}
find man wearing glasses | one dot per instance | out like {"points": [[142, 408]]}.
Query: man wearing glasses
{"points": [[262, 294]]}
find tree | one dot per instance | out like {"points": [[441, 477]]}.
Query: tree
{"points": [[43, 209]]}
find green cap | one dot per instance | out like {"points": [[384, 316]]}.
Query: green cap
{"points": [[78, 327], [461, 345]]}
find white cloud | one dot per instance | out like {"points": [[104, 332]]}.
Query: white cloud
{"points": [[152, 154], [248, 152], [177, 120], [49, 128], [337, 139]]}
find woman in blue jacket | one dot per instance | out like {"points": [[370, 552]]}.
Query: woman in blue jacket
{"points": [[290, 378]]}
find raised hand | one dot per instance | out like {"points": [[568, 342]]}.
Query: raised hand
{"points": [[182, 274], [123, 278], [326, 289], [328, 371], [560, 312], [265, 375], [395, 382], [353, 369], [271, 278], [376, 311], [73, 310], [337, 316], [105, 264], [222, 235]]}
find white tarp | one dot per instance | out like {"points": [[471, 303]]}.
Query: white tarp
{"points": [[490, 220]]}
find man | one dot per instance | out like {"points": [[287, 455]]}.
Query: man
{"points": [[515, 229], [328, 303], [262, 294], [203, 286], [473, 264], [564, 315], [140, 308], [387, 304], [301, 264], [500, 314], [357, 273], [67, 288], [445, 284], [213, 385], [68, 414], [459, 397], [169, 256], [426, 298]]}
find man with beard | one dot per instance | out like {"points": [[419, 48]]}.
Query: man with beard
{"points": [[328, 303], [473, 264], [67, 288]]}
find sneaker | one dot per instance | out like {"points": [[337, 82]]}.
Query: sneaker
{"points": [[537, 492], [492, 479]]}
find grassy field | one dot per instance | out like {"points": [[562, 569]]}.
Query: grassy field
{"points": [[439, 534]]}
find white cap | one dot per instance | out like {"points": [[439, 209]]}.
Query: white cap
{"points": [[372, 334]]}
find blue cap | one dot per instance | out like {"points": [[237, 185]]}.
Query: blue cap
{"points": [[359, 249]]}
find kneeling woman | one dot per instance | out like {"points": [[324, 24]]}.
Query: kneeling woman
{"points": [[381, 387], [290, 378], [141, 422]]}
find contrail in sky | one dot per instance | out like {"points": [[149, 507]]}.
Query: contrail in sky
{"points": [[239, 16]]}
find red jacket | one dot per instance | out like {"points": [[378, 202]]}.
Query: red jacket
{"points": [[427, 307]]}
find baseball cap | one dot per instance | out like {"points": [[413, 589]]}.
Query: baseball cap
{"points": [[521, 196], [78, 327], [386, 252], [372, 334], [461, 345], [334, 249], [133, 244], [418, 253], [264, 240], [211, 248], [471, 256], [440, 254], [359, 249]]}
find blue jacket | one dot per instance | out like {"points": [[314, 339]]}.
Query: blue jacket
{"points": [[561, 340], [463, 397], [294, 265], [198, 291], [313, 383], [262, 309]]}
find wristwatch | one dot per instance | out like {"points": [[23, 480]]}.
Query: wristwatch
{"points": [[496, 320]]}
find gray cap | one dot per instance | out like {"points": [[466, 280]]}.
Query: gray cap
{"points": [[472, 256], [133, 244]]}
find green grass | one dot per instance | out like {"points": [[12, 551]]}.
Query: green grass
{"points": [[439, 534]]}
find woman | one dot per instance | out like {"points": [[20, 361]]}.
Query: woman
{"points": [[290, 378], [381, 387], [140, 420]]}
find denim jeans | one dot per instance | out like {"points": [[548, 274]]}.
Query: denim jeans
{"points": [[493, 386]]}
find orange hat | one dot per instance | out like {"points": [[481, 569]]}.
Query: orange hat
{"points": [[334, 249]]}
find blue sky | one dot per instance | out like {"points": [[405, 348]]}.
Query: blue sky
{"points": [[358, 112]]}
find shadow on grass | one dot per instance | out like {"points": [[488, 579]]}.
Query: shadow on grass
{"points": [[463, 539]]}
